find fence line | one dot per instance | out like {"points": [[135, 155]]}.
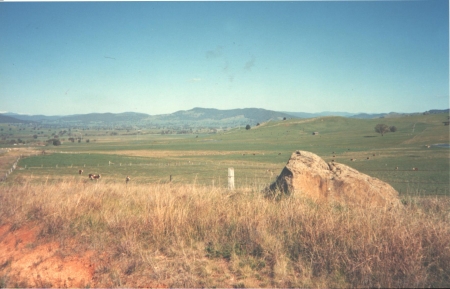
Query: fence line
{"points": [[178, 164], [269, 168], [8, 172], [254, 176]]}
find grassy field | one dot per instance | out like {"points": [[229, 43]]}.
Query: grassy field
{"points": [[60, 229], [259, 154], [173, 235]]}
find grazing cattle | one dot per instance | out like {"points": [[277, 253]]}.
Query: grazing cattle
{"points": [[368, 158], [353, 160], [80, 172], [428, 146], [127, 179], [94, 177], [415, 169], [396, 168]]}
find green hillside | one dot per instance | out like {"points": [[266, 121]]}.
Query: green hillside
{"points": [[259, 154]]}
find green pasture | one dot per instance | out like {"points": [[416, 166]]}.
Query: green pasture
{"points": [[259, 154]]}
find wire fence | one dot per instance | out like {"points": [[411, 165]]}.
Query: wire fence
{"points": [[214, 172], [10, 170]]}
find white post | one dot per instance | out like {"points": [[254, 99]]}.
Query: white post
{"points": [[231, 178]]}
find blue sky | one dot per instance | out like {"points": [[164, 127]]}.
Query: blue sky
{"points": [[59, 58]]}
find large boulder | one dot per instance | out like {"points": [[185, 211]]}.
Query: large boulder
{"points": [[308, 174]]}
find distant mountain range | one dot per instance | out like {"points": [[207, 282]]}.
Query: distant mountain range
{"points": [[9, 119], [324, 113], [196, 117]]}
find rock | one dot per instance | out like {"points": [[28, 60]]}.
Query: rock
{"points": [[308, 174]]}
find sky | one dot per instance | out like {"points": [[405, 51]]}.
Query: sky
{"points": [[62, 58]]}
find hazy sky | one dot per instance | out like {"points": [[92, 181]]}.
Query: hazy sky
{"points": [[59, 58]]}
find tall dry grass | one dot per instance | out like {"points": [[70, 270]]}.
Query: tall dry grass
{"points": [[190, 236]]}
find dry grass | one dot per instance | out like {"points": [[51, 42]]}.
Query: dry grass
{"points": [[193, 236]]}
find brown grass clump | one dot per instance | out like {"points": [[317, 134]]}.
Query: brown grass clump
{"points": [[165, 235]]}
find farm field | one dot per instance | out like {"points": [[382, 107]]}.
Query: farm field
{"points": [[259, 154], [60, 229]]}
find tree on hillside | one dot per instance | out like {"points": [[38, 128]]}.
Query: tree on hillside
{"points": [[381, 128], [247, 127], [393, 128]]}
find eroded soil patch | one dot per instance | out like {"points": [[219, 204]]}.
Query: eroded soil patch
{"points": [[25, 263]]}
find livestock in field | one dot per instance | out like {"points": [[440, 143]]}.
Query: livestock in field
{"points": [[127, 179], [94, 177], [80, 172]]}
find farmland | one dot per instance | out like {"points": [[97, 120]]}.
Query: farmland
{"points": [[60, 229], [258, 154]]}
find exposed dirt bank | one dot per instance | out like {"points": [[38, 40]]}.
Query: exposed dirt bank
{"points": [[25, 263]]}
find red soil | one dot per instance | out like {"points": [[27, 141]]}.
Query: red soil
{"points": [[26, 264]]}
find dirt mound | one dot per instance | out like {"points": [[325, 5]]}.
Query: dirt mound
{"points": [[26, 264], [309, 174]]}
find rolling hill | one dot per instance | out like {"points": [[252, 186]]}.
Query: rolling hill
{"points": [[196, 117], [10, 119]]}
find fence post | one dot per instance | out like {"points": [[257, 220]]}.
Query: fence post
{"points": [[231, 178]]}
